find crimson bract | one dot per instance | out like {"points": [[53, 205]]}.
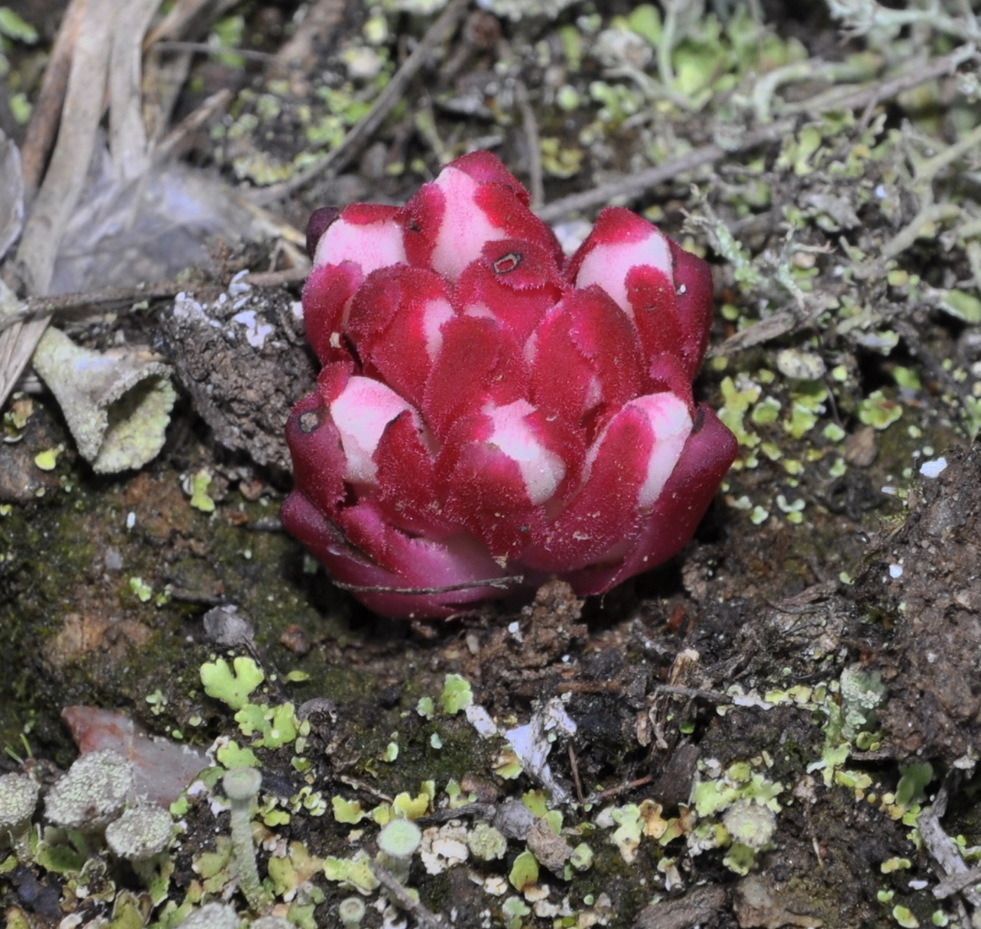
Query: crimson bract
{"points": [[489, 408]]}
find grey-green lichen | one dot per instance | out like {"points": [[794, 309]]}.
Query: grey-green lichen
{"points": [[399, 839], [141, 836], [117, 405], [351, 911], [141, 832], [241, 786]]}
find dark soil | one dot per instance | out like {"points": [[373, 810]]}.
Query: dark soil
{"points": [[811, 657]]}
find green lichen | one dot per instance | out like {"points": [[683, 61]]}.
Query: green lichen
{"points": [[514, 909], [270, 727], [751, 827], [197, 486], [399, 838], [486, 843], [347, 811], [879, 411], [142, 590], [904, 917], [232, 684], [352, 873], [350, 911], [457, 694], [241, 786], [232, 755], [524, 872], [47, 460]]}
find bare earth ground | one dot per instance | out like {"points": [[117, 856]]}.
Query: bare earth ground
{"points": [[779, 728]]}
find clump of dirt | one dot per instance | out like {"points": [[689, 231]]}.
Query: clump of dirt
{"points": [[926, 581]]}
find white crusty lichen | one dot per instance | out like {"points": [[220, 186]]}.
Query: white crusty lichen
{"points": [[212, 916], [18, 800], [92, 793]]}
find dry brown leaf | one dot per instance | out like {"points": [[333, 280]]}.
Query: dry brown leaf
{"points": [[11, 194], [100, 48]]}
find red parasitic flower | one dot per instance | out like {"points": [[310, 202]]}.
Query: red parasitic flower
{"points": [[490, 409]]}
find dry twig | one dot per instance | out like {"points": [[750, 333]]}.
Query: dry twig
{"points": [[423, 915], [498, 582], [36, 308], [944, 851]]}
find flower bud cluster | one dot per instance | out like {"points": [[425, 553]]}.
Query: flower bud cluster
{"points": [[490, 408]]}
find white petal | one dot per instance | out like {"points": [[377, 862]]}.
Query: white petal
{"points": [[465, 228], [361, 413], [435, 314], [370, 245], [608, 265], [671, 424], [541, 469]]}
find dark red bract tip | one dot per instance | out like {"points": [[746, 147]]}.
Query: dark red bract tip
{"points": [[317, 225]]}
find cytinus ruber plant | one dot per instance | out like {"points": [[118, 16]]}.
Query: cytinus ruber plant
{"points": [[490, 409]]}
